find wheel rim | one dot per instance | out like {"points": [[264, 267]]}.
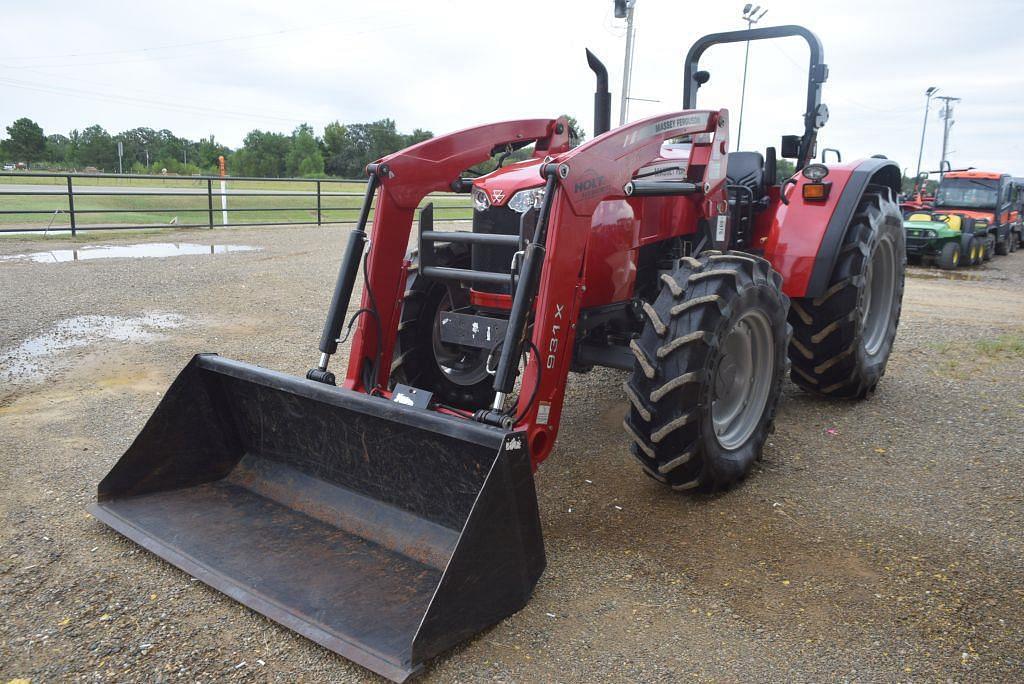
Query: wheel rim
{"points": [[881, 290], [743, 379], [460, 365], [956, 257]]}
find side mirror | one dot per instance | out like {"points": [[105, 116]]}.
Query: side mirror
{"points": [[790, 148]]}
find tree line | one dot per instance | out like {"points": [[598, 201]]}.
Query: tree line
{"points": [[343, 150]]}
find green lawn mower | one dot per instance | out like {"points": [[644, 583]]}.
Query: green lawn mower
{"points": [[948, 240]]}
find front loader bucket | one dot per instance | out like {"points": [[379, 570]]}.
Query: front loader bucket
{"points": [[384, 533]]}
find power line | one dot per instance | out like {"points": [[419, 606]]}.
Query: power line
{"points": [[126, 99], [176, 106], [195, 55], [197, 43], [120, 87]]}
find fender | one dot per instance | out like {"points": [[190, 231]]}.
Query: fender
{"points": [[803, 239], [883, 172]]}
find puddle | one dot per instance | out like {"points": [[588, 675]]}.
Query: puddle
{"points": [[937, 274], [31, 359], [148, 250]]}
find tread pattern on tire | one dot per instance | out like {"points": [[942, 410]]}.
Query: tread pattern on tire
{"points": [[669, 398], [826, 351]]}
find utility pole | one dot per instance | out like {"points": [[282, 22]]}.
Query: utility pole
{"points": [[927, 104], [947, 119], [624, 10], [751, 14]]}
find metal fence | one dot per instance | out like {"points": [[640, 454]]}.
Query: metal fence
{"points": [[103, 201]]}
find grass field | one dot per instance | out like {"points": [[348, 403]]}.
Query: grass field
{"points": [[340, 202]]}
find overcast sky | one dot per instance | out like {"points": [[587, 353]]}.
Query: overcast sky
{"points": [[224, 68]]}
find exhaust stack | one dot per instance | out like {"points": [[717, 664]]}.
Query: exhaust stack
{"points": [[602, 98]]}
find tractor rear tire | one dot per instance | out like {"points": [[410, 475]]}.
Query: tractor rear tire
{"points": [[842, 339], [710, 361], [457, 377], [949, 257]]}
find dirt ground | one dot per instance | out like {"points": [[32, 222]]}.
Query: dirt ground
{"points": [[876, 541]]}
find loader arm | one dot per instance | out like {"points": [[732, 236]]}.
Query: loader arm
{"points": [[405, 178], [601, 170]]}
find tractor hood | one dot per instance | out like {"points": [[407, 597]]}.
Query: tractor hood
{"points": [[502, 184]]}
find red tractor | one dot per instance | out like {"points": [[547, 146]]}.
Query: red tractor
{"points": [[393, 514]]}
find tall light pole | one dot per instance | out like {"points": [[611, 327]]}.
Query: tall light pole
{"points": [[624, 10], [751, 14], [920, 151], [947, 120]]}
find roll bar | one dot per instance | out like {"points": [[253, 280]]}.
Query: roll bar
{"points": [[816, 114]]}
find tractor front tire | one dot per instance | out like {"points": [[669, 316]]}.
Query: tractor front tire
{"points": [[949, 257], [842, 339], [987, 248], [710, 361], [457, 377], [1003, 246]]}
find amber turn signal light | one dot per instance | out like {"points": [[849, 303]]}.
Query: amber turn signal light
{"points": [[816, 192]]}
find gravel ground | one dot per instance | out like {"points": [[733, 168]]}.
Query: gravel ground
{"points": [[876, 541]]}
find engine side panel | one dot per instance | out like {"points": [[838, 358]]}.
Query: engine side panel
{"points": [[618, 229]]}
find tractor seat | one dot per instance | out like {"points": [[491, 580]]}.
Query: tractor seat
{"points": [[747, 169]]}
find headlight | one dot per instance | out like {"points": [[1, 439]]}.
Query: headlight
{"points": [[481, 202], [815, 172], [928, 233], [524, 200]]}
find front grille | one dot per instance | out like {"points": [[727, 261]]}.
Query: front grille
{"points": [[495, 221]]}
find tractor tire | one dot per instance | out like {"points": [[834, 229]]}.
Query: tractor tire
{"points": [[457, 377], [986, 248], [949, 257], [710, 361], [1014, 242], [842, 339], [1003, 246]]}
